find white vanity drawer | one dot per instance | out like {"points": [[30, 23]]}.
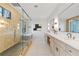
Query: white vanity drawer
{"points": [[59, 51], [72, 51], [67, 54], [61, 44], [56, 50]]}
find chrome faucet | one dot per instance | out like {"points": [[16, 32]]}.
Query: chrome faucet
{"points": [[69, 35]]}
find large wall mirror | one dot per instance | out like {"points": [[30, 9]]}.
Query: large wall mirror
{"points": [[72, 24]]}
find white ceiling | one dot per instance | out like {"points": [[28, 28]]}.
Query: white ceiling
{"points": [[49, 10], [42, 11], [72, 11]]}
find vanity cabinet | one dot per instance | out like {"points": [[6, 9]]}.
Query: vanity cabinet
{"points": [[52, 46], [57, 50], [60, 48], [56, 47], [66, 54], [72, 51]]}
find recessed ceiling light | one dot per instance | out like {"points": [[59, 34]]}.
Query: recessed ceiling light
{"points": [[35, 6]]}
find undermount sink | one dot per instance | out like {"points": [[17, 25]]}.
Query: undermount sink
{"points": [[70, 37], [67, 39]]}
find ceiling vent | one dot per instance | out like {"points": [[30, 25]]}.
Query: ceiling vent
{"points": [[35, 6]]}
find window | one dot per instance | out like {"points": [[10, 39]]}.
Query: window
{"points": [[6, 14], [0, 11]]}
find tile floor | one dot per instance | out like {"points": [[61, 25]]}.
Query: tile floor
{"points": [[39, 46]]}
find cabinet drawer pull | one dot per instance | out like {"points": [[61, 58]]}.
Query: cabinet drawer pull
{"points": [[70, 51], [56, 49]]}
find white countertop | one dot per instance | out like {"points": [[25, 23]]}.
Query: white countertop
{"points": [[63, 37]]}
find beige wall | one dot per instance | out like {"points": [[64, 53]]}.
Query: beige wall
{"points": [[15, 16], [7, 38]]}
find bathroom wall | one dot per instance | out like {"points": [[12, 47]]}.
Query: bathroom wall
{"points": [[62, 24], [15, 15], [7, 37], [69, 13]]}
